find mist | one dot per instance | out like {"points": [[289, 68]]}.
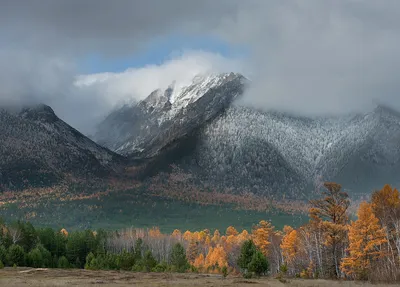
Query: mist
{"points": [[305, 57]]}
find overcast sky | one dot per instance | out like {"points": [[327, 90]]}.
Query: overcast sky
{"points": [[309, 57]]}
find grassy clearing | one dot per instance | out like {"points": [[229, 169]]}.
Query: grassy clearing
{"points": [[58, 277]]}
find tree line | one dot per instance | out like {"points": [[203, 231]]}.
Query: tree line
{"points": [[330, 245]]}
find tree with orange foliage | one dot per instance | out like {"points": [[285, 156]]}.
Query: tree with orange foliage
{"points": [[386, 207], [192, 250], [64, 232], [366, 238], [177, 234], [231, 231], [330, 214], [155, 232], [260, 234], [290, 244], [199, 262], [187, 236], [217, 236], [216, 258]]}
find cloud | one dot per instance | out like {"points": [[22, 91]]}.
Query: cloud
{"points": [[98, 94], [320, 57], [309, 57]]}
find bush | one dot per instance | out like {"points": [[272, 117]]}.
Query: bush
{"points": [[91, 263], [16, 255], [3, 254], [224, 271], [178, 258], [63, 262], [1, 264], [35, 258], [161, 267], [148, 261], [126, 260]]}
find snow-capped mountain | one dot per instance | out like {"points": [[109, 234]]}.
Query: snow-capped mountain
{"points": [[268, 150], [199, 128], [37, 148], [145, 128]]}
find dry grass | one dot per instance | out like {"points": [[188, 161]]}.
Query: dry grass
{"points": [[57, 277]]}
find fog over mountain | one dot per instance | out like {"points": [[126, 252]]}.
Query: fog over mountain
{"points": [[304, 57]]}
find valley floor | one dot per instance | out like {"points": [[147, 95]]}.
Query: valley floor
{"points": [[74, 277]]}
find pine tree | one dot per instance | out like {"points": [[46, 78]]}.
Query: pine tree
{"points": [[366, 238], [178, 258]]}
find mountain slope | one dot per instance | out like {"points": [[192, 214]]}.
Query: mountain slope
{"points": [[142, 130], [199, 129], [37, 148]]}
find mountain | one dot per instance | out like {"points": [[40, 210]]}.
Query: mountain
{"points": [[200, 129], [37, 149], [142, 130]]}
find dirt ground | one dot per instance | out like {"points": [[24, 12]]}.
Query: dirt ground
{"points": [[56, 277]]}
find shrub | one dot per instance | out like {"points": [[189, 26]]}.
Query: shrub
{"points": [[148, 261], [63, 262], [224, 271], [35, 258], [126, 260], [16, 255], [1, 264], [161, 267]]}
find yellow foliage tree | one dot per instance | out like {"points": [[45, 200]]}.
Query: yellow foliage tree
{"points": [[260, 234], [231, 231], [366, 238], [64, 231], [217, 236], [192, 251], [290, 244], [216, 258], [199, 261], [177, 234]]}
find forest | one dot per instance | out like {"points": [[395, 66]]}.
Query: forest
{"points": [[330, 245]]}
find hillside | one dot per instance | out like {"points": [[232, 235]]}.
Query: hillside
{"points": [[39, 149]]}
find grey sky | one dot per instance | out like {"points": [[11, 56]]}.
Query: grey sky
{"points": [[309, 57]]}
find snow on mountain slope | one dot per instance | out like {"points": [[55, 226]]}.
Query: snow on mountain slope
{"points": [[199, 128], [313, 149], [38, 148], [145, 128]]}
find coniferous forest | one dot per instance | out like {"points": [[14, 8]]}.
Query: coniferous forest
{"points": [[331, 245]]}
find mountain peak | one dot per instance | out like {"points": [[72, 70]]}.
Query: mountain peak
{"points": [[40, 112]]}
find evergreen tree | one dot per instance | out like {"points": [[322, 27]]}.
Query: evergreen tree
{"points": [[63, 262], [178, 258], [246, 254], [16, 255], [258, 264]]}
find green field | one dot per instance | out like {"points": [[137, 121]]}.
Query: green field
{"points": [[138, 210]]}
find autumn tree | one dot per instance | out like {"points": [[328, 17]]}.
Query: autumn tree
{"points": [[330, 213], [216, 258], [192, 251], [261, 234], [386, 206], [366, 237], [290, 245]]}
